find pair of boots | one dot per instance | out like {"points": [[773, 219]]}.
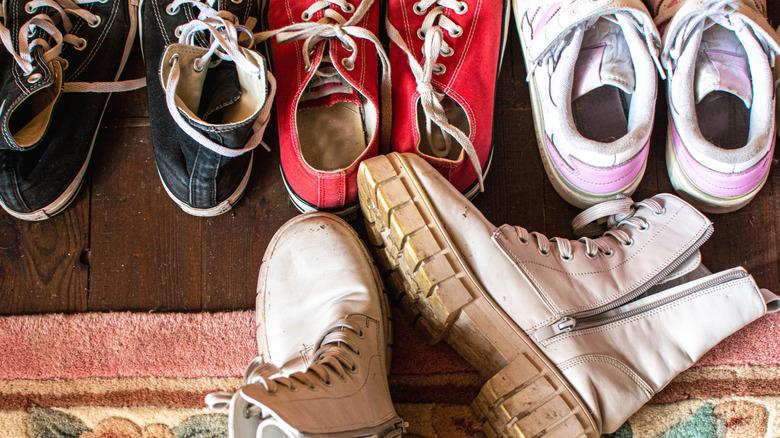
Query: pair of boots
{"points": [[573, 336]]}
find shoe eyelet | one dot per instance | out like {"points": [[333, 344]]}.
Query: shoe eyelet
{"points": [[660, 212], [328, 383], [439, 69], [34, 78], [609, 253], [350, 8], [293, 388], [81, 46], [362, 334], [644, 227], [29, 8], [463, 7], [457, 32], [417, 9], [305, 16], [447, 53], [96, 22], [170, 10], [420, 34], [357, 353], [629, 243], [591, 256], [354, 369], [64, 63], [523, 241], [174, 59], [567, 258], [349, 65], [197, 65], [177, 32], [544, 253]]}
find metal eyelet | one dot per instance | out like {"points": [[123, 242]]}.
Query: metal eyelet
{"points": [[523, 241], [609, 253], [96, 22], [661, 212], [463, 7], [354, 369], [544, 253], [447, 53], [305, 16], [567, 258], [328, 383], [177, 31], [173, 59], [29, 8], [361, 335], [64, 63], [629, 243], [417, 9], [457, 33], [349, 65], [439, 69], [590, 256], [420, 34], [34, 78], [197, 65], [349, 9], [644, 227], [81, 46], [170, 10]]}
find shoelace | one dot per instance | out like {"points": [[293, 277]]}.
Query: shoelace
{"points": [[615, 214], [719, 11], [434, 45], [225, 43], [550, 58], [335, 355], [333, 25], [31, 37]]}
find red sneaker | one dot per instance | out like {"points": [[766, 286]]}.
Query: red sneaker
{"points": [[325, 54], [445, 56]]}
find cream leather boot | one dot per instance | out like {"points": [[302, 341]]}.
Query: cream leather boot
{"points": [[323, 335], [574, 336]]}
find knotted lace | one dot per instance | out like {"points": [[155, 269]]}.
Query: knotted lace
{"points": [[718, 11], [552, 55], [615, 215], [334, 26], [431, 32], [333, 358], [48, 36], [225, 43]]}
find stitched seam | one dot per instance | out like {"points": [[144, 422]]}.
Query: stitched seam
{"points": [[609, 360]]}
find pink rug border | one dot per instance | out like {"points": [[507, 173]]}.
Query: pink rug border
{"points": [[192, 345]]}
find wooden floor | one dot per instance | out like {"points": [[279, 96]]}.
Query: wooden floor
{"points": [[124, 245]]}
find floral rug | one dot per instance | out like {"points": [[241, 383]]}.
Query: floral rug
{"points": [[144, 375]]}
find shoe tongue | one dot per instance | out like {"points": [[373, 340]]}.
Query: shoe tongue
{"points": [[220, 90], [327, 87], [722, 65], [604, 60]]}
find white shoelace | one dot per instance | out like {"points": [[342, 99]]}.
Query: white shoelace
{"points": [[29, 42], [615, 215], [224, 43], [719, 11], [550, 58], [333, 25], [434, 45], [335, 355]]}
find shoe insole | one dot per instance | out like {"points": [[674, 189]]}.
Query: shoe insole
{"points": [[331, 137], [602, 114], [439, 144], [724, 120]]}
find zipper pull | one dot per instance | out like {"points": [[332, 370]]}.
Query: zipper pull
{"points": [[563, 325]]}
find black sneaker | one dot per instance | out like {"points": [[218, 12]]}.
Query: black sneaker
{"points": [[210, 96], [63, 60]]}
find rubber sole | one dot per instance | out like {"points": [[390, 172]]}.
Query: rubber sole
{"points": [[570, 194], [526, 395], [699, 199]]}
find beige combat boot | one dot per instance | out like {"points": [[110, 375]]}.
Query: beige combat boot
{"points": [[574, 336], [323, 335]]}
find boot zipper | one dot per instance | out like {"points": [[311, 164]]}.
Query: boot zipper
{"points": [[569, 323]]}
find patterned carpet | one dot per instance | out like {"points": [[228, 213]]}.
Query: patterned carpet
{"points": [[144, 375]]}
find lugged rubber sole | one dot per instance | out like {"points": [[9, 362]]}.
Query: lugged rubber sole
{"points": [[526, 395]]}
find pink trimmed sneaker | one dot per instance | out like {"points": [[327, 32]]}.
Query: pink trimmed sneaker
{"points": [[328, 99], [718, 56], [592, 73]]}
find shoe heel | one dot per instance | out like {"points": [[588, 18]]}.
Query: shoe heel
{"points": [[525, 400], [429, 289]]}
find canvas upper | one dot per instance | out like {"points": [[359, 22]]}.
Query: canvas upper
{"points": [[328, 106], [210, 96], [592, 72], [58, 56], [718, 56], [445, 56]]}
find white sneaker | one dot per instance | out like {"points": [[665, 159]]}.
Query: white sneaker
{"points": [[718, 56], [592, 72]]}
